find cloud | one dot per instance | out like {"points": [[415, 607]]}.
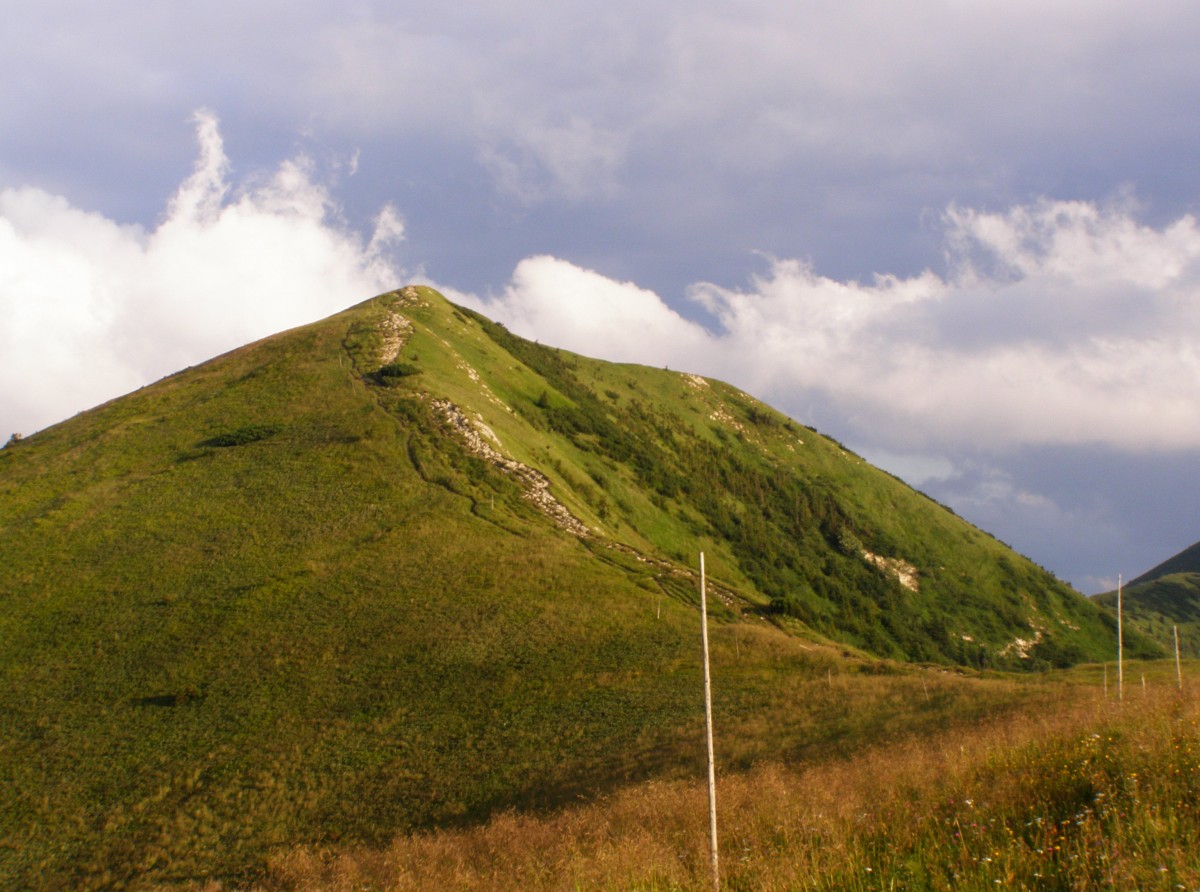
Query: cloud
{"points": [[1062, 323], [668, 138], [572, 160], [567, 306], [756, 86], [1058, 322], [92, 309]]}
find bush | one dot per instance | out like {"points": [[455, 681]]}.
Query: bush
{"points": [[848, 543], [790, 604], [248, 434], [1059, 654], [395, 370]]}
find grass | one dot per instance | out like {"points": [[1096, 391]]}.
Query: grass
{"points": [[1070, 793], [275, 600], [694, 463], [1159, 606]]}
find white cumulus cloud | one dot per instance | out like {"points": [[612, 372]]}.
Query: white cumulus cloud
{"points": [[92, 309], [578, 309], [1061, 323]]}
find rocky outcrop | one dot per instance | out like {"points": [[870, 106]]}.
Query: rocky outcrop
{"points": [[1022, 646], [394, 329], [534, 482], [905, 573]]}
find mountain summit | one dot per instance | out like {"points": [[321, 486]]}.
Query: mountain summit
{"points": [[402, 567]]}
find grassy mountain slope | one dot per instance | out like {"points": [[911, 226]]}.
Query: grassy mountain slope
{"points": [[1162, 600], [333, 584], [1187, 561], [668, 462], [1157, 606]]}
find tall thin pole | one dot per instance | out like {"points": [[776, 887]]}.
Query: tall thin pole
{"points": [[1120, 648], [1178, 668], [708, 733]]}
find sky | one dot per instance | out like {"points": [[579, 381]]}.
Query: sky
{"points": [[957, 235]]}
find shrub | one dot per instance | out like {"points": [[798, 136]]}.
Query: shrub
{"points": [[848, 543], [394, 370], [247, 434]]}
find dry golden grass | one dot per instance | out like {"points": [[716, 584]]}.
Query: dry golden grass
{"points": [[1076, 794]]}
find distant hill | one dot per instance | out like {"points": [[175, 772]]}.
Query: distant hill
{"points": [[1187, 561], [401, 568], [1164, 599]]}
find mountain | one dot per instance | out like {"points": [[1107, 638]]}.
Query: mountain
{"points": [[401, 568], [1163, 600], [1187, 561]]}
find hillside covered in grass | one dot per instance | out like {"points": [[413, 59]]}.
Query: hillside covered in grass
{"points": [[1187, 561], [400, 569], [1158, 606]]}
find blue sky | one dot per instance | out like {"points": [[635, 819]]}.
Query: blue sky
{"points": [[957, 236]]}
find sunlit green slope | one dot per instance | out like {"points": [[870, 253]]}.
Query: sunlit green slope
{"points": [[668, 463], [401, 568]]}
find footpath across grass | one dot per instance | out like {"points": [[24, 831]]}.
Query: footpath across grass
{"points": [[1078, 792]]}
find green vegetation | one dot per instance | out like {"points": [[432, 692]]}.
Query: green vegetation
{"points": [[793, 519], [1069, 793], [249, 433], [392, 370], [1187, 561], [284, 598], [1158, 606], [1164, 600]]}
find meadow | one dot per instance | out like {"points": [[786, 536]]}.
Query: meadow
{"points": [[279, 600], [1073, 791]]}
